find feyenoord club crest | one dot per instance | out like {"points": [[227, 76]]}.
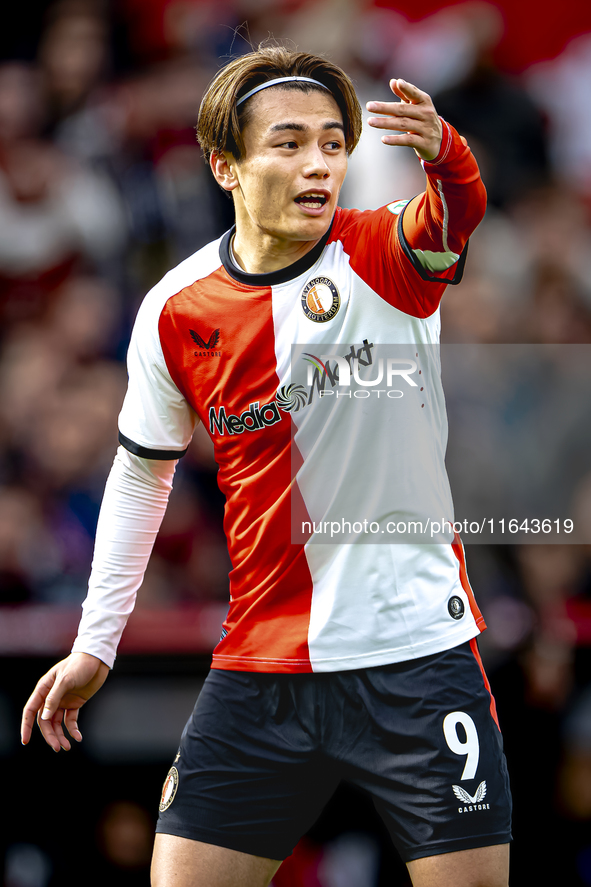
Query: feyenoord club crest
{"points": [[169, 788], [320, 299]]}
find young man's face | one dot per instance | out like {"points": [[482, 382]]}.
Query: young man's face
{"points": [[288, 182]]}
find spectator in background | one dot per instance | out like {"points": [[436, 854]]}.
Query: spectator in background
{"points": [[53, 211], [73, 56], [498, 116], [560, 87], [59, 396]]}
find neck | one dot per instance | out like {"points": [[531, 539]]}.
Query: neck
{"points": [[268, 253], [258, 250]]}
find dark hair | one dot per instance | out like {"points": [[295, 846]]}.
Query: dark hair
{"points": [[221, 123]]}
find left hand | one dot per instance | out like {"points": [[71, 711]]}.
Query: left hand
{"points": [[414, 119], [58, 697]]}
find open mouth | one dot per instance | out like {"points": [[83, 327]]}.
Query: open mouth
{"points": [[312, 200]]}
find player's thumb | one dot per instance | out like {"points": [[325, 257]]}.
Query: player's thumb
{"points": [[52, 701], [49, 709]]}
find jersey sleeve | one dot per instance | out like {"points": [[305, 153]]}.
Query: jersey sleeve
{"points": [[434, 228], [410, 250], [156, 420]]}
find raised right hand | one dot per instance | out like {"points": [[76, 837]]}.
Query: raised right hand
{"points": [[413, 121], [59, 695]]}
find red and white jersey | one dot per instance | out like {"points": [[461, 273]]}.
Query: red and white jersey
{"points": [[249, 355]]}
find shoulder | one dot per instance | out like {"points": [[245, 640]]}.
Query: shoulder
{"points": [[145, 337], [196, 267], [352, 224], [369, 236]]}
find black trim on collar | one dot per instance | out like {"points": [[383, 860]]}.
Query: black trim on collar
{"points": [[272, 278], [422, 272], [146, 453]]}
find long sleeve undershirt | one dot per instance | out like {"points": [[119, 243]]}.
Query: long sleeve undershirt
{"points": [[135, 499]]}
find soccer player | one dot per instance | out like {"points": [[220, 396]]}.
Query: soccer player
{"points": [[337, 660]]}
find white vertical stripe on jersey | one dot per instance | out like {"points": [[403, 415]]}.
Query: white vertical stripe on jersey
{"points": [[371, 604]]}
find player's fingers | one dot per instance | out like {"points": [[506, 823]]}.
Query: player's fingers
{"points": [[29, 714], [47, 731], [409, 92], [407, 139], [403, 124], [34, 703], [397, 109], [426, 150], [27, 722], [71, 722], [58, 728]]}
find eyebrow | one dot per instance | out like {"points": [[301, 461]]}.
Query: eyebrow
{"points": [[302, 127]]}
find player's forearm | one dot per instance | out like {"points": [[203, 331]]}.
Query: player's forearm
{"points": [[454, 202], [135, 499]]}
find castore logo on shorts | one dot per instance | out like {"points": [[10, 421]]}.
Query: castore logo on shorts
{"points": [[473, 803]]}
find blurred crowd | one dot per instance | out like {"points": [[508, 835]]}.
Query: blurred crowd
{"points": [[103, 188]]}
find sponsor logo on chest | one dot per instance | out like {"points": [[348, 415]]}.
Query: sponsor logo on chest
{"points": [[252, 419]]}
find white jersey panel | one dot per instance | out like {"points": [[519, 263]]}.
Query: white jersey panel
{"points": [[375, 604], [371, 603], [155, 415]]}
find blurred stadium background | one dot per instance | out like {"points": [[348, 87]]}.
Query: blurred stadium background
{"points": [[102, 189]]}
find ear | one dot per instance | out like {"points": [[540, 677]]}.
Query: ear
{"points": [[223, 167]]}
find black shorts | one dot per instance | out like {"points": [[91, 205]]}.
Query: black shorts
{"points": [[262, 754]]}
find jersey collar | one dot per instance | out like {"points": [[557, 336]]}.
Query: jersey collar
{"points": [[272, 278]]}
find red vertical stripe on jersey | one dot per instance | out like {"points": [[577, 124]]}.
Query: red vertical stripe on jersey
{"points": [[270, 583], [458, 550], [493, 705]]}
